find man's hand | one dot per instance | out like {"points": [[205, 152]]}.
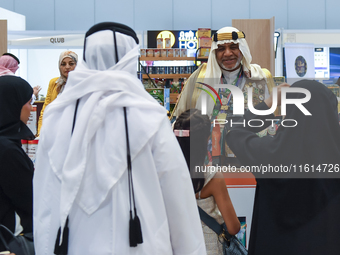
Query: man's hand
{"points": [[36, 90], [269, 100]]}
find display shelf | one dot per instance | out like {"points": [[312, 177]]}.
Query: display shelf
{"points": [[170, 58], [166, 58], [167, 76], [202, 58]]}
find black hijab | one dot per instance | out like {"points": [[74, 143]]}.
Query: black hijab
{"points": [[15, 92], [315, 139], [295, 198]]}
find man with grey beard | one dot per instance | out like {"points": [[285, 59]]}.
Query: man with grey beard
{"points": [[229, 63]]}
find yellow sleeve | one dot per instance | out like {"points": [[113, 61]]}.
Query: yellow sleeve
{"points": [[51, 95]]}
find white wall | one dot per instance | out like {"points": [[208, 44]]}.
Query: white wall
{"points": [[15, 21]]}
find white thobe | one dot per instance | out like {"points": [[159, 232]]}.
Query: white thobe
{"points": [[164, 198], [84, 176]]}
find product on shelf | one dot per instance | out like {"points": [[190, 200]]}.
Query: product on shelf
{"points": [[159, 43], [164, 53], [162, 96], [24, 144], [32, 120], [204, 52], [157, 53], [335, 89], [149, 52], [32, 149], [167, 43], [204, 42], [176, 86], [278, 80], [203, 32], [177, 53], [170, 53], [183, 53], [169, 69]]}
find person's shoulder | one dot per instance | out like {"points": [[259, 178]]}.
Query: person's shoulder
{"points": [[9, 148], [201, 70], [54, 80], [267, 73], [53, 83], [6, 143], [209, 176]]}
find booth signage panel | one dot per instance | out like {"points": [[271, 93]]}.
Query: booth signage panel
{"points": [[73, 40], [184, 39]]}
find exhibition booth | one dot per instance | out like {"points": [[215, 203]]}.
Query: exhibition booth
{"points": [[169, 57]]}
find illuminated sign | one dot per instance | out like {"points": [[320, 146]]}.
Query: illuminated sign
{"points": [[167, 34], [179, 38], [187, 40]]}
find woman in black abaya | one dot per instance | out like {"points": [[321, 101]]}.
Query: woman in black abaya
{"points": [[295, 213], [16, 169]]}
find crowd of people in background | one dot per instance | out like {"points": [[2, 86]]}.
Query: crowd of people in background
{"points": [[112, 176]]}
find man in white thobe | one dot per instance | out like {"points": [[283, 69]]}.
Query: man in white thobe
{"points": [[82, 175]]}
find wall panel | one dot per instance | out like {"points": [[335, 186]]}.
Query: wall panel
{"points": [[39, 14], [223, 12], [7, 4], [174, 14], [332, 14], [191, 14], [114, 10], [153, 15], [304, 14], [266, 9], [74, 15]]}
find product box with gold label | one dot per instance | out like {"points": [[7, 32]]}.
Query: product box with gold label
{"points": [[204, 42], [204, 52], [203, 32]]}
